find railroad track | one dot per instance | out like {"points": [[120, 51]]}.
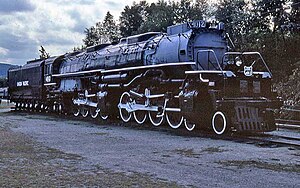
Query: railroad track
{"points": [[274, 141], [288, 124], [278, 138]]}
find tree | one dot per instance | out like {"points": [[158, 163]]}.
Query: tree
{"points": [[294, 17], [160, 15], [132, 18], [272, 12], [3, 82], [237, 18], [186, 10], [109, 28], [90, 36], [103, 32]]}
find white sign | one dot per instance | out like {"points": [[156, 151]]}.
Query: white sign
{"points": [[248, 71], [22, 83]]}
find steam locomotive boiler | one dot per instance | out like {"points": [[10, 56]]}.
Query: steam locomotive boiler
{"points": [[187, 76]]}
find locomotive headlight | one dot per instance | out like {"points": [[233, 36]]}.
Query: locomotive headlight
{"points": [[48, 79]]}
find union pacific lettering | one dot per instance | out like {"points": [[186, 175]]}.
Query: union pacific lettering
{"points": [[22, 83]]}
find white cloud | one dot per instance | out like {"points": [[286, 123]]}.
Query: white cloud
{"points": [[58, 25], [3, 51]]}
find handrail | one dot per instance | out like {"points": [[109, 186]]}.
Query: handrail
{"points": [[213, 52], [248, 53]]}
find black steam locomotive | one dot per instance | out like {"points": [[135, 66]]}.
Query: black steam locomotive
{"points": [[187, 76]]}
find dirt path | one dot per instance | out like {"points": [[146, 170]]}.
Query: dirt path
{"points": [[38, 150]]}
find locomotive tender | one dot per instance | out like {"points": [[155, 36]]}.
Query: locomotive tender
{"points": [[187, 76]]}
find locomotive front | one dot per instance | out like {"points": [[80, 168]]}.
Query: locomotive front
{"points": [[227, 90]]}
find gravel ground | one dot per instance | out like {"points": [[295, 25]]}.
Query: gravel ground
{"points": [[48, 151]]}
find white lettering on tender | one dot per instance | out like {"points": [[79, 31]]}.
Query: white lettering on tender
{"points": [[25, 83], [19, 84], [22, 83]]}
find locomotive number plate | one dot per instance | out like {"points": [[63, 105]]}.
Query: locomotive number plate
{"points": [[198, 24]]}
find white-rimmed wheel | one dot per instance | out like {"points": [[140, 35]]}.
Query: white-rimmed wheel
{"points": [[60, 108], [125, 100], [189, 125], [94, 112], [140, 116], [219, 122], [155, 118], [35, 106], [84, 112], [76, 111], [174, 119], [42, 107], [26, 106], [30, 106], [103, 115], [38, 107], [17, 106]]}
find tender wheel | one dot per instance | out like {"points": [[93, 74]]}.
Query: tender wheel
{"points": [[84, 112], [38, 107], [76, 111], [125, 100], [30, 107], [189, 125], [21, 106], [174, 119], [17, 106], [140, 116], [42, 108], [53, 108], [60, 108], [219, 122], [94, 112], [154, 119], [26, 106]]}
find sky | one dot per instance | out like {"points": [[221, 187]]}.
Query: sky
{"points": [[58, 25]]}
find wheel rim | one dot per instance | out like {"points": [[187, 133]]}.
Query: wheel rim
{"points": [[94, 112], [103, 116], [84, 112], [53, 108], [174, 119], [76, 111], [124, 114], [219, 123], [156, 121], [140, 116], [189, 125], [60, 108]]}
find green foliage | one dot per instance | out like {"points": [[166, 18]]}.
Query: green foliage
{"points": [[142, 17], [3, 82], [295, 12], [132, 18], [159, 16], [103, 32]]}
